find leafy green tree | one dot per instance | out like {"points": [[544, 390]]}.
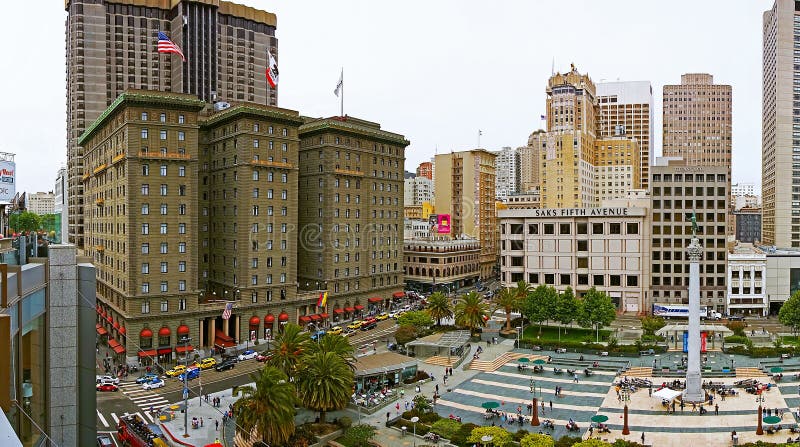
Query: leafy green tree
{"points": [[288, 348], [471, 311], [26, 221], [358, 435], [324, 382], [405, 334], [789, 315], [418, 318], [596, 310], [336, 344], [48, 222], [536, 440], [265, 412], [651, 324], [507, 301], [421, 404], [540, 304], [738, 327], [439, 307], [566, 308], [500, 437], [446, 427]]}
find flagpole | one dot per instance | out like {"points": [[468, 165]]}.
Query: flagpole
{"points": [[341, 98]]}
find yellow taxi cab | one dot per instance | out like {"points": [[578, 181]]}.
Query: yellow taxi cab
{"points": [[355, 325], [176, 371], [383, 316], [336, 330], [208, 362]]}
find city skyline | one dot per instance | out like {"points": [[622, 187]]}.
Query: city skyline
{"points": [[447, 99]]}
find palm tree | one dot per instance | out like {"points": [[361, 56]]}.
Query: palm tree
{"points": [[439, 307], [523, 289], [506, 300], [471, 311], [336, 344], [324, 383], [266, 411], [288, 348]]}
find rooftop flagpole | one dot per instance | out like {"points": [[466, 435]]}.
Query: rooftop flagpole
{"points": [[339, 92]]}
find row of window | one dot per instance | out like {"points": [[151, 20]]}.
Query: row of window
{"points": [[162, 117], [164, 286], [163, 228], [565, 279], [163, 209], [163, 189], [162, 134], [164, 267], [163, 248], [567, 228], [162, 170]]}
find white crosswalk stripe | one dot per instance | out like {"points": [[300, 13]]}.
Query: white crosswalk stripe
{"points": [[102, 419], [116, 419]]}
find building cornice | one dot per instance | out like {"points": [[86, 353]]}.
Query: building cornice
{"points": [[353, 126]]}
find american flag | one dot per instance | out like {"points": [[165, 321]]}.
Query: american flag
{"points": [[167, 46], [226, 314]]}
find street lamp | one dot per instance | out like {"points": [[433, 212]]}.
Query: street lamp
{"points": [[535, 415], [415, 419], [626, 397], [760, 401], [732, 362], [486, 439], [519, 336]]}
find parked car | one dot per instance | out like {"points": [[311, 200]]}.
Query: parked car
{"points": [[107, 379], [153, 384], [247, 355], [146, 378], [107, 387], [208, 362], [226, 365], [336, 330], [176, 371], [263, 357], [355, 325], [369, 324], [191, 373], [383, 316], [104, 441], [736, 318]]}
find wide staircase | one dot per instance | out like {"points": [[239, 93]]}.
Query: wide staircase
{"points": [[750, 372], [639, 371], [442, 361], [502, 359]]}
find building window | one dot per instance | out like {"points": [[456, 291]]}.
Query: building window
{"points": [[182, 301], [255, 143], [164, 288], [163, 209], [564, 228], [146, 288], [548, 228], [181, 266], [145, 249], [564, 279], [163, 134], [182, 228], [163, 190], [145, 268], [163, 170], [632, 227], [164, 248], [144, 134], [533, 229], [145, 170], [163, 228], [163, 117], [164, 308], [181, 171], [598, 280], [255, 175], [145, 189], [632, 280], [614, 228], [549, 278], [182, 247], [144, 116], [145, 303], [145, 209], [181, 119], [145, 228], [164, 267], [615, 280]]}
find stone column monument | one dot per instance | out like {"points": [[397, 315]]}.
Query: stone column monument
{"points": [[694, 390]]}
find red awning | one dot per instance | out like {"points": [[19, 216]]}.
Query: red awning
{"points": [[183, 330], [349, 309], [122, 330], [101, 330], [148, 353], [338, 311], [305, 319], [269, 319], [283, 316], [315, 317], [164, 332], [112, 343], [255, 321], [146, 333], [116, 324], [182, 349], [224, 343], [109, 319], [375, 299], [358, 307], [164, 350], [323, 315], [119, 349], [399, 294]]}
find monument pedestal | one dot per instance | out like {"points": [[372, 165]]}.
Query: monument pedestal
{"points": [[694, 387]]}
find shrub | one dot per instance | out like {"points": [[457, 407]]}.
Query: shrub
{"points": [[738, 339], [519, 434], [500, 437], [737, 327], [429, 418], [345, 422], [446, 428], [592, 442], [567, 441], [358, 435], [405, 334], [536, 440], [461, 436]]}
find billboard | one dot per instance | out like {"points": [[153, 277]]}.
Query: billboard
{"points": [[443, 223], [7, 180]]}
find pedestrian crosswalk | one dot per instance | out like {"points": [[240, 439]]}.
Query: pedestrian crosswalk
{"points": [[145, 400]]}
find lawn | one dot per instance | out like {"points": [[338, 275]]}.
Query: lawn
{"points": [[575, 334], [791, 340]]}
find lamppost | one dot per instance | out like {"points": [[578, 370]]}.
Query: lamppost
{"points": [[486, 439], [732, 362], [760, 401], [535, 415], [519, 336], [626, 397], [415, 419]]}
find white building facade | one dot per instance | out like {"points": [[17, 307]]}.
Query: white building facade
{"points": [[507, 171], [607, 248], [60, 207], [417, 190], [41, 203], [747, 277]]}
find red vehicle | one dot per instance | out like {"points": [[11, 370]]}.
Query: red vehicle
{"points": [[134, 432], [107, 387]]}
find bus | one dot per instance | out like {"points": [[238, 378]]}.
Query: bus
{"points": [[676, 311]]}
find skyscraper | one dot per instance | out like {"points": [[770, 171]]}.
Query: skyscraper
{"points": [[626, 110], [780, 136], [529, 161], [112, 47], [697, 121], [465, 189], [507, 173]]}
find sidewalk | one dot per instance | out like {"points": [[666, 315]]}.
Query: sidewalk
{"points": [[208, 433]]}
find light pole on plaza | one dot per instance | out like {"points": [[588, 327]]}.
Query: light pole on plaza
{"points": [[535, 415], [760, 400], [414, 420], [625, 396]]}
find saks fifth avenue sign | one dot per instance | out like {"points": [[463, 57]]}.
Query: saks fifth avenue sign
{"points": [[587, 212]]}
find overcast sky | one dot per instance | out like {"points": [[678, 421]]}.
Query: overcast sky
{"points": [[434, 71]]}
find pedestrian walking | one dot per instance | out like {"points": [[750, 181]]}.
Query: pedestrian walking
{"points": [[216, 424], [542, 407], [388, 415], [576, 378], [716, 409], [650, 391], [551, 406], [201, 421], [642, 437], [437, 388]]}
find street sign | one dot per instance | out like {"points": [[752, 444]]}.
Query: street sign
{"points": [[185, 393]]}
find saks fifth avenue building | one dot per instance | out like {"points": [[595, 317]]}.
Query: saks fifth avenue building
{"points": [[606, 247]]}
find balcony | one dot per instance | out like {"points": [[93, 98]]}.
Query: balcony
{"points": [[272, 164], [86, 176], [100, 248], [349, 172], [117, 158], [100, 202], [100, 168], [164, 155]]}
